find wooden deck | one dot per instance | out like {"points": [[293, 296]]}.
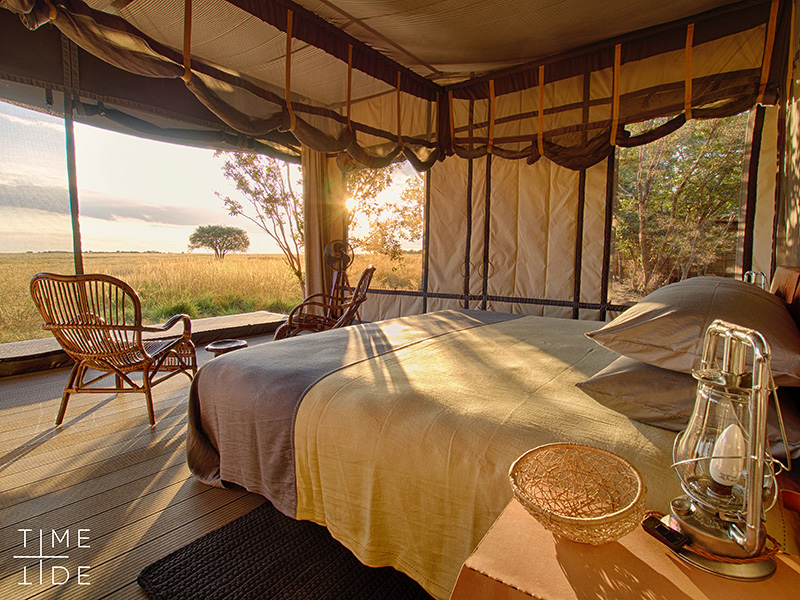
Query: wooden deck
{"points": [[120, 489]]}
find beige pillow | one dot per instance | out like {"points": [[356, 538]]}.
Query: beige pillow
{"points": [[665, 399], [644, 393], [666, 328]]}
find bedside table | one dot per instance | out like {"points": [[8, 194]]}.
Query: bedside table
{"points": [[519, 559]]}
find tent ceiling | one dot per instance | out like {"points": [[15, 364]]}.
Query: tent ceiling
{"points": [[418, 66], [445, 41], [454, 37]]}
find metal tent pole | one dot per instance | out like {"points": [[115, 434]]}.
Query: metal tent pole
{"points": [[69, 65], [73, 183]]}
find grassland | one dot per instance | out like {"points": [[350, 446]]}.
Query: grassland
{"points": [[196, 284]]}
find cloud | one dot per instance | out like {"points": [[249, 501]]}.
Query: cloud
{"points": [[18, 174], [32, 121], [48, 198], [101, 206]]}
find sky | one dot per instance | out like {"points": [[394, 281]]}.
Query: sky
{"points": [[134, 194]]}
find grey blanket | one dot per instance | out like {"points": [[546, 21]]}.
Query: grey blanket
{"points": [[242, 405]]}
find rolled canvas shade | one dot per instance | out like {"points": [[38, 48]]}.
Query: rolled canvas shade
{"points": [[729, 56], [347, 98], [34, 69]]}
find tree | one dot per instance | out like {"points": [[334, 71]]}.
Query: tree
{"points": [[220, 239], [385, 224], [273, 204], [678, 200]]}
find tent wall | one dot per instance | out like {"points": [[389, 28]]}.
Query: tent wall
{"points": [[534, 234], [508, 236], [528, 250], [536, 239]]}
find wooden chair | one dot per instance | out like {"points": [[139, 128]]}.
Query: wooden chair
{"points": [[97, 319], [319, 312]]}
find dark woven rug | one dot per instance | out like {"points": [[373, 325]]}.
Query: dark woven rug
{"points": [[266, 555]]}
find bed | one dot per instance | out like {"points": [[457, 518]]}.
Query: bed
{"points": [[398, 435]]}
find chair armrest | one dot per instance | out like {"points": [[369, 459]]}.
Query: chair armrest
{"points": [[320, 300], [313, 300], [173, 320], [349, 312]]}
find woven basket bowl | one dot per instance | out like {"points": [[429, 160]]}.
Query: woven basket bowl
{"points": [[583, 493]]}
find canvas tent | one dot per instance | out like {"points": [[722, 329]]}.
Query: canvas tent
{"points": [[513, 109]]}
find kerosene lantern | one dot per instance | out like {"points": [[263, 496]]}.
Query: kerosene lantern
{"points": [[722, 457]]}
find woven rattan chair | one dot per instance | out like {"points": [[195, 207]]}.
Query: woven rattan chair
{"points": [[97, 319], [320, 312]]}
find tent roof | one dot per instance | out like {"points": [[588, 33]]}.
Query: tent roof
{"points": [[420, 48], [450, 39], [444, 42]]}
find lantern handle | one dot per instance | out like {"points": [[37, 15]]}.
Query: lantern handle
{"points": [[788, 465]]}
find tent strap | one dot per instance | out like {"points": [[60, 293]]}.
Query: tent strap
{"points": [[688, 87], [615, 94], [288, 86], [540, 137], [187, 40]]}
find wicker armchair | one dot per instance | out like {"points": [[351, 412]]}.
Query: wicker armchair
{"points": [[97, 319], [319, 312]]}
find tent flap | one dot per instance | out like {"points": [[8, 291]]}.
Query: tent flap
{"points": [[336, 93]]}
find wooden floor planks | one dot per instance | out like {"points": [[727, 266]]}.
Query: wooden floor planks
{"points": [[105, 472]]}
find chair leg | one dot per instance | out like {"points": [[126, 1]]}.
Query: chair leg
{"points": [[150, 412], [74, 374], [63, 409], [148, 397]]}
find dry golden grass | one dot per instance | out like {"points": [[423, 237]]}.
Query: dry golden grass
{"points": [[405, 275], [196, 284]]}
